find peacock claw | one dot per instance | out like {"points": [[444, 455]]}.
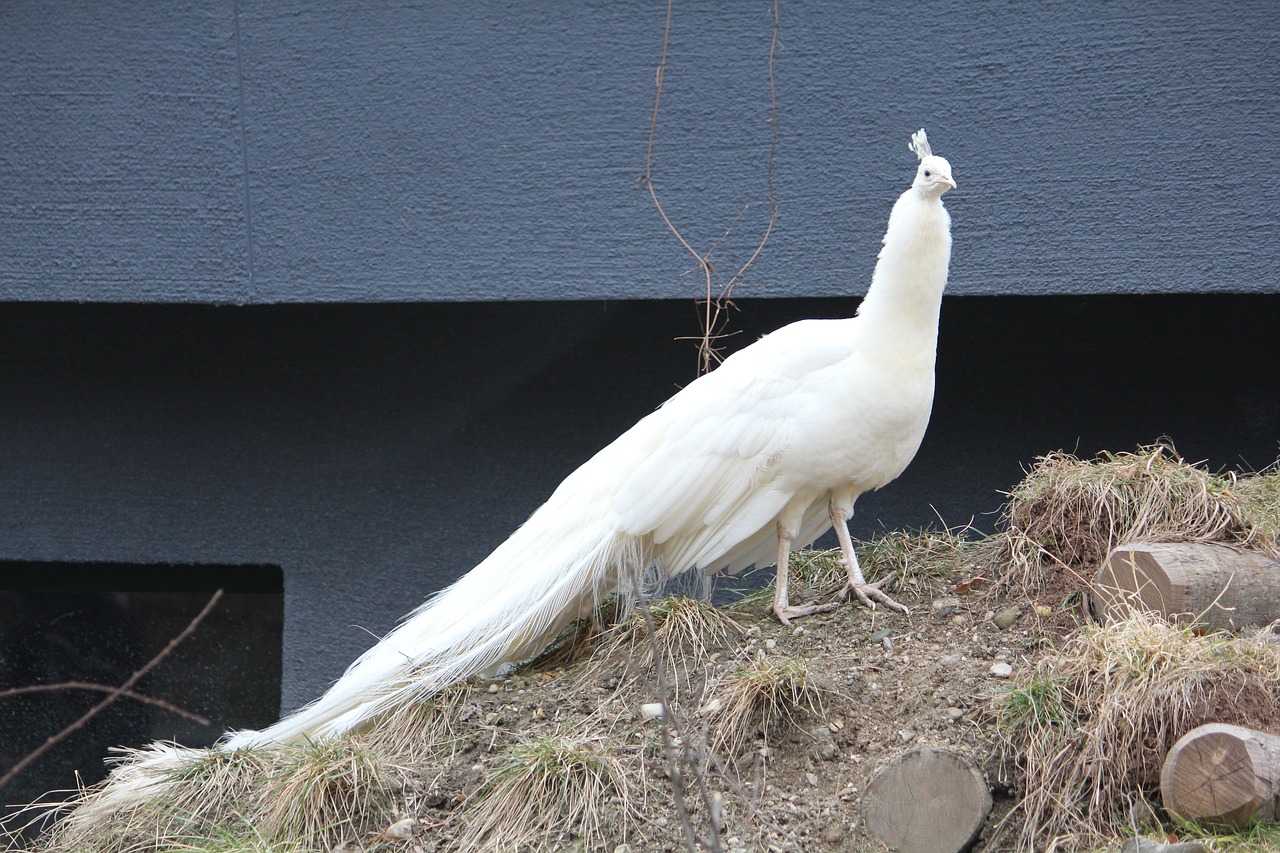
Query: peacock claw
{"points": [[795, 611], [870, 593]]}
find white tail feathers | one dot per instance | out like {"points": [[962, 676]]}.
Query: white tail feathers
{"points": [[506, 609], [555, 569]]}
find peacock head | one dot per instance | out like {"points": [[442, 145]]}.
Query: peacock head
{"points": [[934, 175]]}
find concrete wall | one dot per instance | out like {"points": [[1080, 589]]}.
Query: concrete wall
{"points": [[377, 452], [247, 151]]}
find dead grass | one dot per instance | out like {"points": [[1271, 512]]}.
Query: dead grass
{"points": [[548, 792], [1068, 513], [1090, 726], [685, 630], [325, 790], [758, 695]]}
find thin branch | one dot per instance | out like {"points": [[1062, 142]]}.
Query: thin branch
{"points": [[115, 694], [669, 729], [713, 306], [106, 688]]}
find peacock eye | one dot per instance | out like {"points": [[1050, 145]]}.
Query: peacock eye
{"points": [[928, 174]]}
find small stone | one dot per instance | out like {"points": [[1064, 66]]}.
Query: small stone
{"points": [[1001, 670], [954, 714], [771, 644], [623, 848], [833, 834], [907, 735], [1150, 845], [347, 847], [811, 778], [402, 829], [712, 707], [950, 660], [1005, 618], [881, 635], [651, 711], [944, 607], [493, 687], [836, 723]]}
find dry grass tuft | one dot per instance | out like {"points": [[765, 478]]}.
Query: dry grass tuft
{"points": [[758, 695], [1069, 513], [1091, 726], [325, 790], [296, 797], [1260, 495], [417, 733], [551, 794], [684, 631]]}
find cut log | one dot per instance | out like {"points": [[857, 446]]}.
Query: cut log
{"points": [[1212, 585], [927, 801], [1224, 775]]}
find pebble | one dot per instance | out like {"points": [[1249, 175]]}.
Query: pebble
{"points": [[954, 714], [833, 834], [1005, 618], [907, 735], [493, 687], [811, 778], [651, 711], [881, 635], [402, 829], [1001, 670], [950, 660], [771, 644], [944, 607], [1150, 845]]}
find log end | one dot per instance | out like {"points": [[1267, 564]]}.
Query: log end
{"points": [[1218, 774], [927, 801]]}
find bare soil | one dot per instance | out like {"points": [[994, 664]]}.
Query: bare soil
{"points": [[887, 683]]}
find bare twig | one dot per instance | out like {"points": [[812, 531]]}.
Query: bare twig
{"points": [[115, 694], [106, 688], [714, 306], [667, 726]]}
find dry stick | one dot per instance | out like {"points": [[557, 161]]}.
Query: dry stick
{"points": [[711, 323], [666, 725], [105, 688], [53, 741]]}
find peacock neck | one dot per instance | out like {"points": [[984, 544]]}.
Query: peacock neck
{"points": [[902, 306]]}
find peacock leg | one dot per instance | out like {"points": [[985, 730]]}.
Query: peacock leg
{"points": [[782, 607], [867, 593]]}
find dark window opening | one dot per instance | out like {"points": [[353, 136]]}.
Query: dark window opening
{"points": [[90, 626]]}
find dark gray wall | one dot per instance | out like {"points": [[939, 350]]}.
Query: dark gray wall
{"points": [[262, 152], [377, 452]]}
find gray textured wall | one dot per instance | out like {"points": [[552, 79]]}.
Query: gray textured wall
{"points": [[260, 152]]}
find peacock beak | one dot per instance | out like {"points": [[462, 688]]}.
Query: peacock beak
{"points": [[948, 180]]}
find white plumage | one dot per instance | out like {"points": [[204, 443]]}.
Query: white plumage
{"points": [[771, 448]]}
